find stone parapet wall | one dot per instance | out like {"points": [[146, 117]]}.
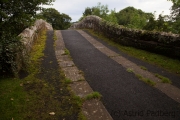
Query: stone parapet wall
{"points": [[29, 35], [159, 42]]}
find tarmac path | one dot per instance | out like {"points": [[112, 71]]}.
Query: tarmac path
{"points": [[124, 95]]}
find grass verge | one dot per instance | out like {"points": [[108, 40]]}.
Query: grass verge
{"points": [[33, 98], [162, 61]]}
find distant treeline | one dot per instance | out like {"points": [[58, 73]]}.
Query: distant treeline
{"points": [[131, 17]]}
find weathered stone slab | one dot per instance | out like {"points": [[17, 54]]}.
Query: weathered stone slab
{"points": [[59, 52], [73, 74], [61, 58], [81, 88], [64, 64], [95, 110]]}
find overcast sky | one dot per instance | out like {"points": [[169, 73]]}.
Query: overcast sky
{"points": [[75, 8]]}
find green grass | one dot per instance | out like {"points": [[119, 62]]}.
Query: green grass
{"points": [[94, 95], [67, 81], [81, 116], [129, 70], [33, 98], [143, 68], [66, 52], [11, 95], [54, 36], [146, 80], [163, 79], [152, 58], [14, 99]]}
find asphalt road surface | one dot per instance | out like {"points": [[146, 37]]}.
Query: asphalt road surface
{"points": [[124, 96]]}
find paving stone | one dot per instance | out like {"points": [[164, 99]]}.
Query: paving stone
{"points": [[59, 52], [64, 64], [73, 74], [81, 88], [94, 110], [61, 58]]}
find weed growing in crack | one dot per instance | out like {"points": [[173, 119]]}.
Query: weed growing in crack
{"points": [[66, 52], [143, 68], [94, 95], [129, 70], [146, 80], [163, 79], [67, 81]]}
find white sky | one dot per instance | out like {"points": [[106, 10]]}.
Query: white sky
{"points": [[75, 8]]}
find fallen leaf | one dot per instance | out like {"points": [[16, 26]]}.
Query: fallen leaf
{"points": [[52, 113]]}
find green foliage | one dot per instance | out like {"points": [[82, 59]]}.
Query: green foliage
{"points": [[112, 17], [81, 116], [133, 18], [15, 17], [66, 52], [175, 16], [94, 95], [99, 10], [162, 24], [67, 81], [10, 46], [57, 20], [88, 11]]}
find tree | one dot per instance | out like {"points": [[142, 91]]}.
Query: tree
{"points": [[112, 17], [58, 21], [15, 15], [163, 24], [133, 18], [151, 24], [175, 16], [66, 19], [88, 11], [99, 10]]}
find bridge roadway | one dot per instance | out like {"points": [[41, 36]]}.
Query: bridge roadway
{"points": [[124, 95]]}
